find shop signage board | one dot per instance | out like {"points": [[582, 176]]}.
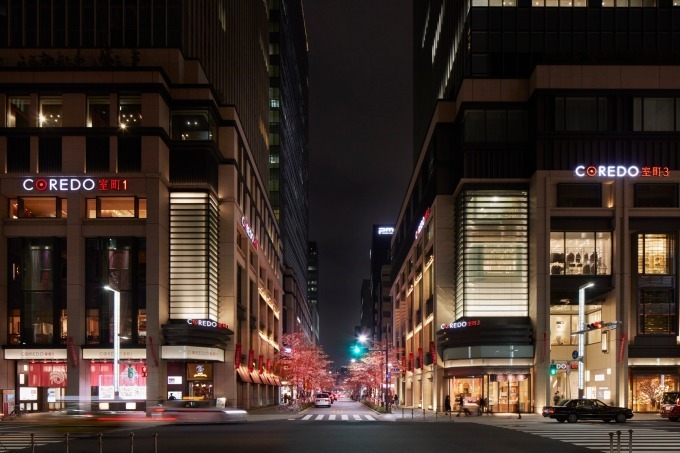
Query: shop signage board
{"points": [[74, 184], [105, 353], [35, 354], [192, 353], [621, 171]]}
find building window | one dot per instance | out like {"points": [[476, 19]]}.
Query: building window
{"points": [[580, 253], [38, 207], [196, 125], [130, 112], [49, 154], [656, 114], [98, 111], [579, 195], [492, 253], [656, 195], [51, 114], [129, 153], [656, 254], [657, 312], [116, 207], [121, 264], [495, 126], [97, 154], [19, 114], [580, 114], [564, 322], [18, 155], [37, 291]]}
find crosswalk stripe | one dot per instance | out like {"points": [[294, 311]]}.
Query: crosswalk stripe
{"points": [[332, 417], [19, 441], [306, 417], [345, 417], [596, 437], [357, 417], [369, 418], [319, 417]]}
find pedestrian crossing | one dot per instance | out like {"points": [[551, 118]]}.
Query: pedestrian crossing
{"points": [[18, 441], [596, 437], [338, 417]]}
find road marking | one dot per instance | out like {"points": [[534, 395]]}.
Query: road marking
{"points": [[319, 417], [19, 441], [369, 418], [357, 417], [345, 417], [332, 417], [306, 417]]}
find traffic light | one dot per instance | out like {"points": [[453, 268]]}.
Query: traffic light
{"points": [[131, 372], [356, 350], [553, 369]]}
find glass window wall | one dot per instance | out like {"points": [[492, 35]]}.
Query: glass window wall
{"points": [[580, 253]]}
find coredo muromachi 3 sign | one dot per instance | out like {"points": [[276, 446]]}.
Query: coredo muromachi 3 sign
{"points": [[621, 171], [74, 184]]}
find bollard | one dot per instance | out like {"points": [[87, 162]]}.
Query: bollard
{"points": [[411, 413], [402, 413], [618, 441], [155, 442], [630, 441], [101, 442], [132, 442], [32, 442], [611, 442], [66, 438]]}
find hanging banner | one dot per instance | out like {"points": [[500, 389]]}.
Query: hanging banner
{"points": [[623, 344], [237, 356], [251, 358], [403, 365], [433, 352], [410, 361], [269, 365], [72, 349], [260, 364], [153, 352], [421, 364]]}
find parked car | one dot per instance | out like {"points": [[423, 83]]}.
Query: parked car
{"points": [[198, 411], [322, 399], [670, 408], [572, 410]]}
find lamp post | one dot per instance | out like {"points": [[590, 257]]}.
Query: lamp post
{"points": [[116, 340], [363, 339], [581, 338]]}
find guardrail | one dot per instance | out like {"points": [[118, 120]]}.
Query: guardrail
{"points": [[618, 442]]}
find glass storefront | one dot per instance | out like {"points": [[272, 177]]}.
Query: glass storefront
{"points": [[41, 385], [647, 388], [501, 392], [190, 380]]}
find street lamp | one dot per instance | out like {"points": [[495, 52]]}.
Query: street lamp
{"points": [[581, 338], [116, 340], [363, 339]]}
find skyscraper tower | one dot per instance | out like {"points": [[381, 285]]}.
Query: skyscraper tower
{"points": [[289, 154]]}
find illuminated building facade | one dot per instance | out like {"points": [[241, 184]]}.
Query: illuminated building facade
{"points": [[547, 157], [135, 155]]}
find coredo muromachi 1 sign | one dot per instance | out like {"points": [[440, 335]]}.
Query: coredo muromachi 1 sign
{"points": [[74, 184]]}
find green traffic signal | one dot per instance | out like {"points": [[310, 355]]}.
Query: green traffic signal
{"points": [[553, 369], [356, 350]]}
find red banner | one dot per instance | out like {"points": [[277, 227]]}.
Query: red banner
{"points": [[433, 352], [269, 365], [410, 361], [260, 364], [420, 358], [72, 349], [623, 344], [403, 365], [237, 356], [251, 360]]}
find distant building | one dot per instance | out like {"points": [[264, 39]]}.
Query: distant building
{"points": [[313, 286]]}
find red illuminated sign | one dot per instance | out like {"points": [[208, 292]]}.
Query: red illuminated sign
{"points": [[461, 324], [620, 171], [206, 323], [433, 352], [74, 184]]}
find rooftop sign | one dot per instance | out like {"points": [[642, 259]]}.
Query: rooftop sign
{"points": [[73, 184], [620, 171]]}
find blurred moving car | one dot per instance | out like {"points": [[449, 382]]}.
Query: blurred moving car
{"points": [[198, 411], [572, 410], [670, 406], [322, 399]]}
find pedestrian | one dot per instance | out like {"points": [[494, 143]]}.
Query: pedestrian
{"points": [[447, 405], [396, 400], [461, 406], [488, 409], [480, 403], [557, 397]]}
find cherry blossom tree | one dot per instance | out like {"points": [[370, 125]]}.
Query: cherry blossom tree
{"points": [[304, 364]]}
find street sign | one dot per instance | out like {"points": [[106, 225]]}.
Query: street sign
{"points": [[574, 354]]}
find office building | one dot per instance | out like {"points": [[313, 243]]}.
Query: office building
{"points": [[546, 159], [134, 156]]}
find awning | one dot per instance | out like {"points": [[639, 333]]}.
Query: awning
{"points": [[277, 381], [243, 375], [256, 378]]}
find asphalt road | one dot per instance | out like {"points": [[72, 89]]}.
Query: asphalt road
{"points": [[349, 427]]}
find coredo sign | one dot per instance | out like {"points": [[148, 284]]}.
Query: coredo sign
{"points": [[206, 323], [620, 171], [73, 184], [461, 324]]}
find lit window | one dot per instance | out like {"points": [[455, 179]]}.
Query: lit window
{"points": [[51, 112], [19, 114], [656, 254], [580, 253], [116, 207], [37, 208], [130, 112]]}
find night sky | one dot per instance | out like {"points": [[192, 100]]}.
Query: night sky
{"points": [[360, 77]]}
